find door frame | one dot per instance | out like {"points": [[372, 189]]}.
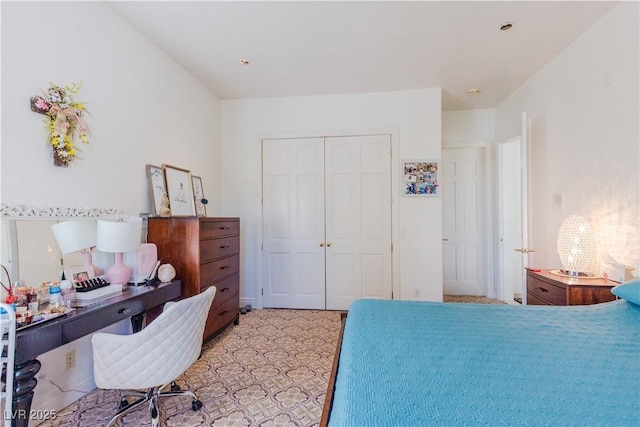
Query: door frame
{"points": [[488, 151], [525, 164], [395, 192]]}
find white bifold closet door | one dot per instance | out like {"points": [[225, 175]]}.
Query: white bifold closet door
{"points": [[326, 221]]}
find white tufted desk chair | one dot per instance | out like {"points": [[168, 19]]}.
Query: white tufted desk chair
{"points": [[154, 357]]}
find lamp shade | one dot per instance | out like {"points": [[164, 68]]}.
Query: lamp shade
{"points": [[119, 234], [75, 235], [575, 245]]}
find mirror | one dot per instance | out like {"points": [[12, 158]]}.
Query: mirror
{"points": [[28, 248]]}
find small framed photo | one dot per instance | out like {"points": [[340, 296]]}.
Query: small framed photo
{"points": [[179, 190], [79, 273], [157, 187], [420, 178], [198, 195]]}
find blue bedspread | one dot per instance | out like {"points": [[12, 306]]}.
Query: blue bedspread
{"points": [[407, 363]]}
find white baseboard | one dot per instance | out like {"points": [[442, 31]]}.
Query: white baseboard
{"points": [[249, 301]]}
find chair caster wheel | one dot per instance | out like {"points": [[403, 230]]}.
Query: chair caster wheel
{"points": [[196, 405], [175, 387], [123, 403]]}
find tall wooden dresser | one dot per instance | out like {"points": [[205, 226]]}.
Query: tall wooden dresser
{"points": [[205, 251]]}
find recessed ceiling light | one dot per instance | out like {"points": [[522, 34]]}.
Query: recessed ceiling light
{"points": [[474, 91], [244, 62], [506, 26]]}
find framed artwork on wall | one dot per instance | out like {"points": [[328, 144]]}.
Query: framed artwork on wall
{"points": [[198, 195], [157, 187], [420, 178], [179, 190]]}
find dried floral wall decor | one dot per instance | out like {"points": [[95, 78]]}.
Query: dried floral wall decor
{"points": [[64, 121]]}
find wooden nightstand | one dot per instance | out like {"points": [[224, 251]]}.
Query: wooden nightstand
{"points": [[545, 288]]}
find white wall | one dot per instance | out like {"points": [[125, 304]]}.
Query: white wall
{"points": [[144, 109], [468, 126], [414, 117], [584, 149]]}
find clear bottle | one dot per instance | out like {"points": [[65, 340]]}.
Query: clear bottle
{"points": [[54, 294], [65, 292]]}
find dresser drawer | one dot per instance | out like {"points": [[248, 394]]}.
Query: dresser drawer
{"points": [[220, 315], [218, 248], [219, 228], [550, 294], [215, 271], [225, 288]]}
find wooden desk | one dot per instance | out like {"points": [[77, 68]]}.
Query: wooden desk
{"points": [[38, 339]]}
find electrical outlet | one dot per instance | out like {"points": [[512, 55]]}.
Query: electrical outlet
{"points": [[69, 360]]}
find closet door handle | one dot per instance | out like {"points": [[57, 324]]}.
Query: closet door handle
{"points": [[321, 244], [328, 244]]}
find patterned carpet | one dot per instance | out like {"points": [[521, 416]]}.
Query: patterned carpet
{"points": [[271, 370]]}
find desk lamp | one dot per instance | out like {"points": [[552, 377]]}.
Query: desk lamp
{"points": [[78, 235], [575, 246], [119, 234]]}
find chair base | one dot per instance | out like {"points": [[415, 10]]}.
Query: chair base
{"points": [[151, 396]]}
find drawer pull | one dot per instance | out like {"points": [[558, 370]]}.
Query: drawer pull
{"points": [[124, 311], [224, 246], [224, 267], [223, 313], [224, 289], [542, 289], [225, 228]]}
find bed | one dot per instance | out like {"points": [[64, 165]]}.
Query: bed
{"points": [[406, 363]]}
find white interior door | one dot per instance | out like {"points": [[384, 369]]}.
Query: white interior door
{"points": [[293, 264], [514, 250], [358, 215], [464, 234]]}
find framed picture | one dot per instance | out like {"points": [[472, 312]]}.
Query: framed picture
{"points": [[157, 187], [420, 178], [179, 190], [79, 273], [198, 195]]}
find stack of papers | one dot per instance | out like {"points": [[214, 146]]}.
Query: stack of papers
{"points": [[82, 299]]}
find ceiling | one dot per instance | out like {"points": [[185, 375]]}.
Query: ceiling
{"points": [[301, 48]]}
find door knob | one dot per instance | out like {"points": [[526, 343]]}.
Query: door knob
{"points": [[524, 250], [328, 244], [321, 244]]}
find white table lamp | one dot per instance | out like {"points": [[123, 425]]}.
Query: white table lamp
{"points": [[78, 235], [575, 245], [119, 234]]}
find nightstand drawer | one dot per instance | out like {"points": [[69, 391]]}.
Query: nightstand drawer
{"points": [[547, 292], [533, 300]]}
